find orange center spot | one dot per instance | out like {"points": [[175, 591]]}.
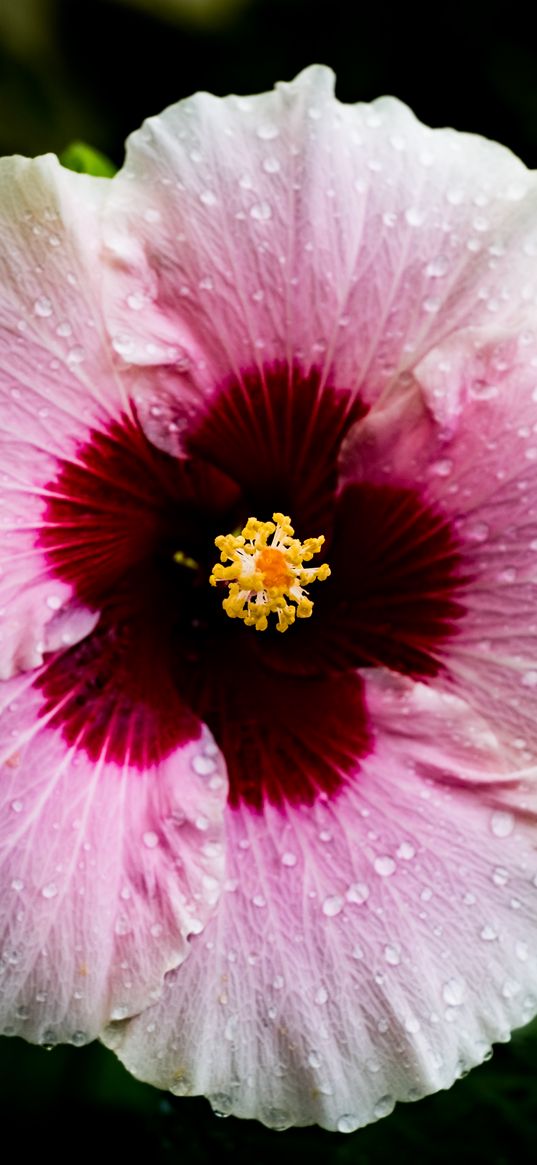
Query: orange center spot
{"points": [[273, 566]]}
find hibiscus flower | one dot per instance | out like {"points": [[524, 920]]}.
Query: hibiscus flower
{"points": [[293, 872]]}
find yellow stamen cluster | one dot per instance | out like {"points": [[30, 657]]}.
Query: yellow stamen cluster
{"points": [[264, 576]]}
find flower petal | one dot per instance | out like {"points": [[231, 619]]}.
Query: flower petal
{"points": [[462, 432], [106, 869], [56, 380], [289, 226], [367, 950]]}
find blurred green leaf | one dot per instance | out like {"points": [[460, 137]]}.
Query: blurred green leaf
{"points": [[85, 160]]}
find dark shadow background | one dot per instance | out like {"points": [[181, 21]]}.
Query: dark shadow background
{"points": [[92, 70]]}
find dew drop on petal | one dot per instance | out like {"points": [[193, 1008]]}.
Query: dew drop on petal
{"points": [[267, 131], [79, 1038], [43, 307], [385, 866], [50, 890], [358, 892], [406, 851], [392, 954], [412, 1025], [414, 216], [261, 211], [478, 532], [510, 988], [384, 1106], [454, 991], [203, 765], [443, 467], [333, 905], [502, 823], [150, 839], [347, 1123]]}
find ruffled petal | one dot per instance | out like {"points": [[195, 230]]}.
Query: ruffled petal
{"points": [[289, 226], [106, 869], [366, 950], [56, 381]]}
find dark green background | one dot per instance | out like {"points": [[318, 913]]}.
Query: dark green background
{"points": [[91, 70]]}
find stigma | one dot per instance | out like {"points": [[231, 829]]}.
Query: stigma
{"points": [[267, 577]]}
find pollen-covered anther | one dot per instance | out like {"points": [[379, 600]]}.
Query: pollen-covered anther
{"points": [[265, 577]]}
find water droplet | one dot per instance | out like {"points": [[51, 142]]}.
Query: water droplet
{"points": [[406, 851], [259, 901], [79, 1038], [347, 1123], [50, 890], [412, 1025], [271, 165], [17, 806], [488, 934], [288, 859], [261, 211], [392, 954], [208, 198], [276, 1118], [203, 765], [136, 301], [221, 1104], [384, 1106], [454, 991], [76, 355], [53, 602], [478, 532], [479, 390], [502, 823], [358, 892], [510, 988], [43, 307], [500, 876], [414, 216], [314, 1060], [333, 905], [150, 839], [321, 995], [529, 679], [437, 267], [119, 1012], [17, 884], [385, 866], [180, 1083], [443, 467], [267, 131]]}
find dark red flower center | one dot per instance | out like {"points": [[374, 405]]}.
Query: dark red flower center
{"points": [[288, 711]]}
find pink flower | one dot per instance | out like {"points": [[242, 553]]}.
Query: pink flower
{"points": [[281, 305]]}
